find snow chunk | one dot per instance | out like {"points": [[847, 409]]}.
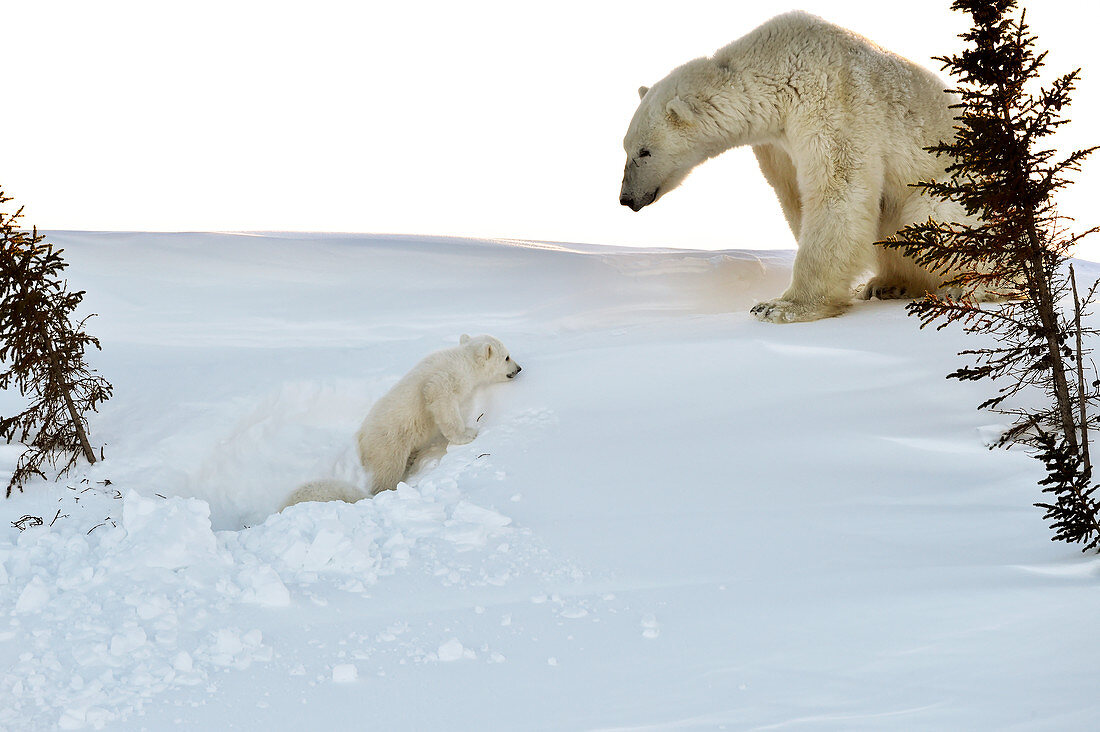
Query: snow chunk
{"points": [[326, 545], [170, 533], [471, 527], [35, 595], [230, 648], [469, 513], [453, 650], [344, 673], [183, 662], [128, 641], [77, 718], [263, 586]]}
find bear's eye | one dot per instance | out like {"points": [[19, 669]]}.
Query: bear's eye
{"points": [[509, 358], [643, 153]]}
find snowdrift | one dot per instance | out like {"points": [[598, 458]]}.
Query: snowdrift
{"points": [[676, 517]]}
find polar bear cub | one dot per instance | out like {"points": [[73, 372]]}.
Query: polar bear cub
{"points": [[428, 402]]}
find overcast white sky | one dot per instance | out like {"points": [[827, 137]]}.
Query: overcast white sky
{"points": [[480, 118]]}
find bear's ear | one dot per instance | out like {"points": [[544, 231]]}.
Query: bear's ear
{"points": [[642, 91], [485, 351], [679, 109], [463, 339]]}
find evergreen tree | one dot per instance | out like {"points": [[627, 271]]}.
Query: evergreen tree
{"points": [[1018, 246], [42, 354]]}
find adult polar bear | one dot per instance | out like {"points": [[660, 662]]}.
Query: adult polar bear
{"points": [[839, 128]]}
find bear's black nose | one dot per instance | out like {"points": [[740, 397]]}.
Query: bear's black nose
{"points": [[626, 201]]}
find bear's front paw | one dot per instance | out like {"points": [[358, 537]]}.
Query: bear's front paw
{"points": [[792, 311], [463, 438], [979, 294]]}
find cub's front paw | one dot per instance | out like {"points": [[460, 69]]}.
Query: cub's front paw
{"points": [[793, 311], [463, 438]]}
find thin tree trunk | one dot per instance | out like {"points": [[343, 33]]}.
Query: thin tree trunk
{"points": [[79, 427], [1044, 304], [74, 416], [1044, 307], [1080, 374]]}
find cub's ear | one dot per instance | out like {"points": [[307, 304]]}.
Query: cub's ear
{"points": [[680, 109], [462, 341], [642, 91], [485, 351]]}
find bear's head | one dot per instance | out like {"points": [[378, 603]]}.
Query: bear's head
{"points": [[491, 357], [673, 130]]}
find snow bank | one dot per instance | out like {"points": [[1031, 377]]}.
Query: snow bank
{"points": [[675, 518], [109, 614], [116, 614]]}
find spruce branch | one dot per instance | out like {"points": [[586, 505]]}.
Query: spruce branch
{"points": [[1014, 243], [42, 355]]}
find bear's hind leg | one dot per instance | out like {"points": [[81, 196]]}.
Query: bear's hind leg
{"points": [[387, 470], [897, 277]]}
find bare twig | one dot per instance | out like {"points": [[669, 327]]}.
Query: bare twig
{"points": [[26, 522]]}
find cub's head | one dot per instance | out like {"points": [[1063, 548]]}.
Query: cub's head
{"points": [[491, 357], [672, 131]]}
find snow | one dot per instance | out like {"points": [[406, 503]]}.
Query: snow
{"points": [[344, 673], [675, 518]]}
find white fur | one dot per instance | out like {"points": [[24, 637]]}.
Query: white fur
{"points": [[839, 128], [325, 489], [431, 400], [428, 404]]}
